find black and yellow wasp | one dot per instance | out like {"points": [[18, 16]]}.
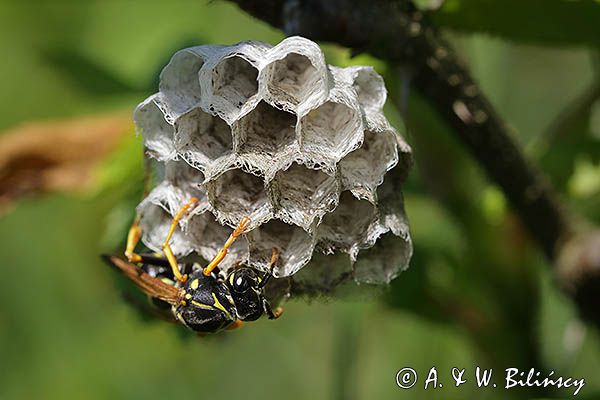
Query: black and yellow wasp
{"points": [[204, 300]]}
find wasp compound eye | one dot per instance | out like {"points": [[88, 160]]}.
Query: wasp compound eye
{"points": [[301, 147]]}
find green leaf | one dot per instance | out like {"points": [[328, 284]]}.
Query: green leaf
{"points": [[123, 166], [551, 22], [428, 4], [86, 74], [570, 137]]}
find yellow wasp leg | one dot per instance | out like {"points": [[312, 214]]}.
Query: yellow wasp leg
{"points": [[223, 252], [135, 232], [238, 323], [133, 237], [277, 312], [167, 248]]}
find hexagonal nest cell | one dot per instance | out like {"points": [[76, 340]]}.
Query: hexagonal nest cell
{"points": [[179, 80], [182, 175], [264, 138], [323, 275], [204, 141], [155, 222], [235, 194], [266, 131], [292, 79], [157, 132], [380, 263], [365, 167], [171, 194], [303, 195], [235, 80], [347, 225], [294, 245], [171, 197], [208, 236], [330, 131], [369, 86]]}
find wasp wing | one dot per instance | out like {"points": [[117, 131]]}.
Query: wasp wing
{"points": [[152, 286]]}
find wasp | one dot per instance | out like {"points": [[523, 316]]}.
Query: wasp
{"points": [[205, 300]]}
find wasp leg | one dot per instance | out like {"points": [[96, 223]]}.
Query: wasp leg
{"points": [[133, 237], [167, 247], [238, 323], [223, 252], [271, 314], [154, 259], [135, 232]]}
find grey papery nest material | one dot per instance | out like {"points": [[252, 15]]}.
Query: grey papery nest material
{"points": [[299, 146]]}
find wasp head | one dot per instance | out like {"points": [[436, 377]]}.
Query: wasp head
{"points": [[246, 289]]}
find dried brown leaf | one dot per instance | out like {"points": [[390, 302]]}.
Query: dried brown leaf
{"points": [[49, 156]]}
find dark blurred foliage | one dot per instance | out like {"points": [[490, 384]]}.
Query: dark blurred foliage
{"points": [[478, 292]]}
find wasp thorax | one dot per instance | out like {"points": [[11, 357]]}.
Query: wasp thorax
{"points": [[300, 147], [207, 305]]}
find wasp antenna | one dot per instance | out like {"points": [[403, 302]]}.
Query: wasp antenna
{"points": [[269, 274]]}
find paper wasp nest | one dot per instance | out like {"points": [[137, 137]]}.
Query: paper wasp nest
{"points": [[299, 146]]}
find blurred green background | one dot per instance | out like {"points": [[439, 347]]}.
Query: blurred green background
{"points": [[478, 293]]}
